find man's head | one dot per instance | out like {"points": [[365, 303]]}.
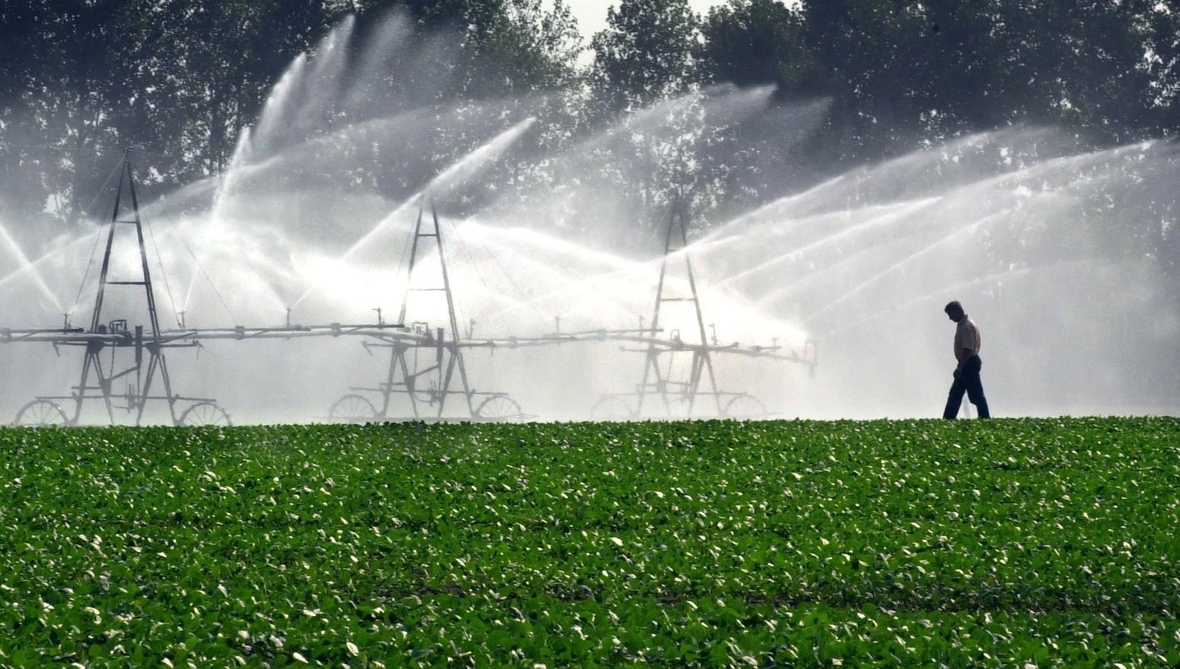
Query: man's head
{"points": [[954, 311]]}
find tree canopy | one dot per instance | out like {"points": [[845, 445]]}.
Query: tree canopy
{"points": [[184, 77]]}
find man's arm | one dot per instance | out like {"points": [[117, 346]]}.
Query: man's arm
{"points": [[963, 355]]}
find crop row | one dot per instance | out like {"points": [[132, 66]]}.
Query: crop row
{"points": [[797, 543]]}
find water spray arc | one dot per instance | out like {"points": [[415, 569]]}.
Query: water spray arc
{"points": [[1036, 232]]}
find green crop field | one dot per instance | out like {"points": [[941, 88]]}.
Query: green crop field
{"points": [[1003, 543]]}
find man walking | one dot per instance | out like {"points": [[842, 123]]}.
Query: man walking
{"points": [[966, 375]]}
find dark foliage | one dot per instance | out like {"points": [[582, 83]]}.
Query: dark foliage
{"points": [[181, 78]]}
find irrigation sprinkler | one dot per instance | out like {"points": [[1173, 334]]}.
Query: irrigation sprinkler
{"points": [[136, 353], [116, 351], [426, 366], [426, 373], [679, 396], [421, 375]]}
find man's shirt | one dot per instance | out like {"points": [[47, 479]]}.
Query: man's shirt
{"points": [[966, 337]]}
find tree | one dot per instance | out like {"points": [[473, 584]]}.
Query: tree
{"points": [[522, 48], [749, 42], [1089, 72], [204, 69], [900, 72], [59, 83], [648, 52]]}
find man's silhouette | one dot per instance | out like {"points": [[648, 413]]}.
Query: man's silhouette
{"points": [[966, 374]]}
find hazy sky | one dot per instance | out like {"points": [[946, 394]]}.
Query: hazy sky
{"points": [[591, 14]]}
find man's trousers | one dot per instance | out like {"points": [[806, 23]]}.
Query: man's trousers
{"points": [[967, 382]]}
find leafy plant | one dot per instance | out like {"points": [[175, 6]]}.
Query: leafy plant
{"points": [[799, 543]]}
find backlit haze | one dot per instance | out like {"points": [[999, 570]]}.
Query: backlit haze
{"points": [[1056, 254]]}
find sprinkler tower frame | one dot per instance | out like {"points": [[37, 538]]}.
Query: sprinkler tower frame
{"points": [[657, 375], [426, 384], [405, 377], [151, 340], [98, 375]]}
